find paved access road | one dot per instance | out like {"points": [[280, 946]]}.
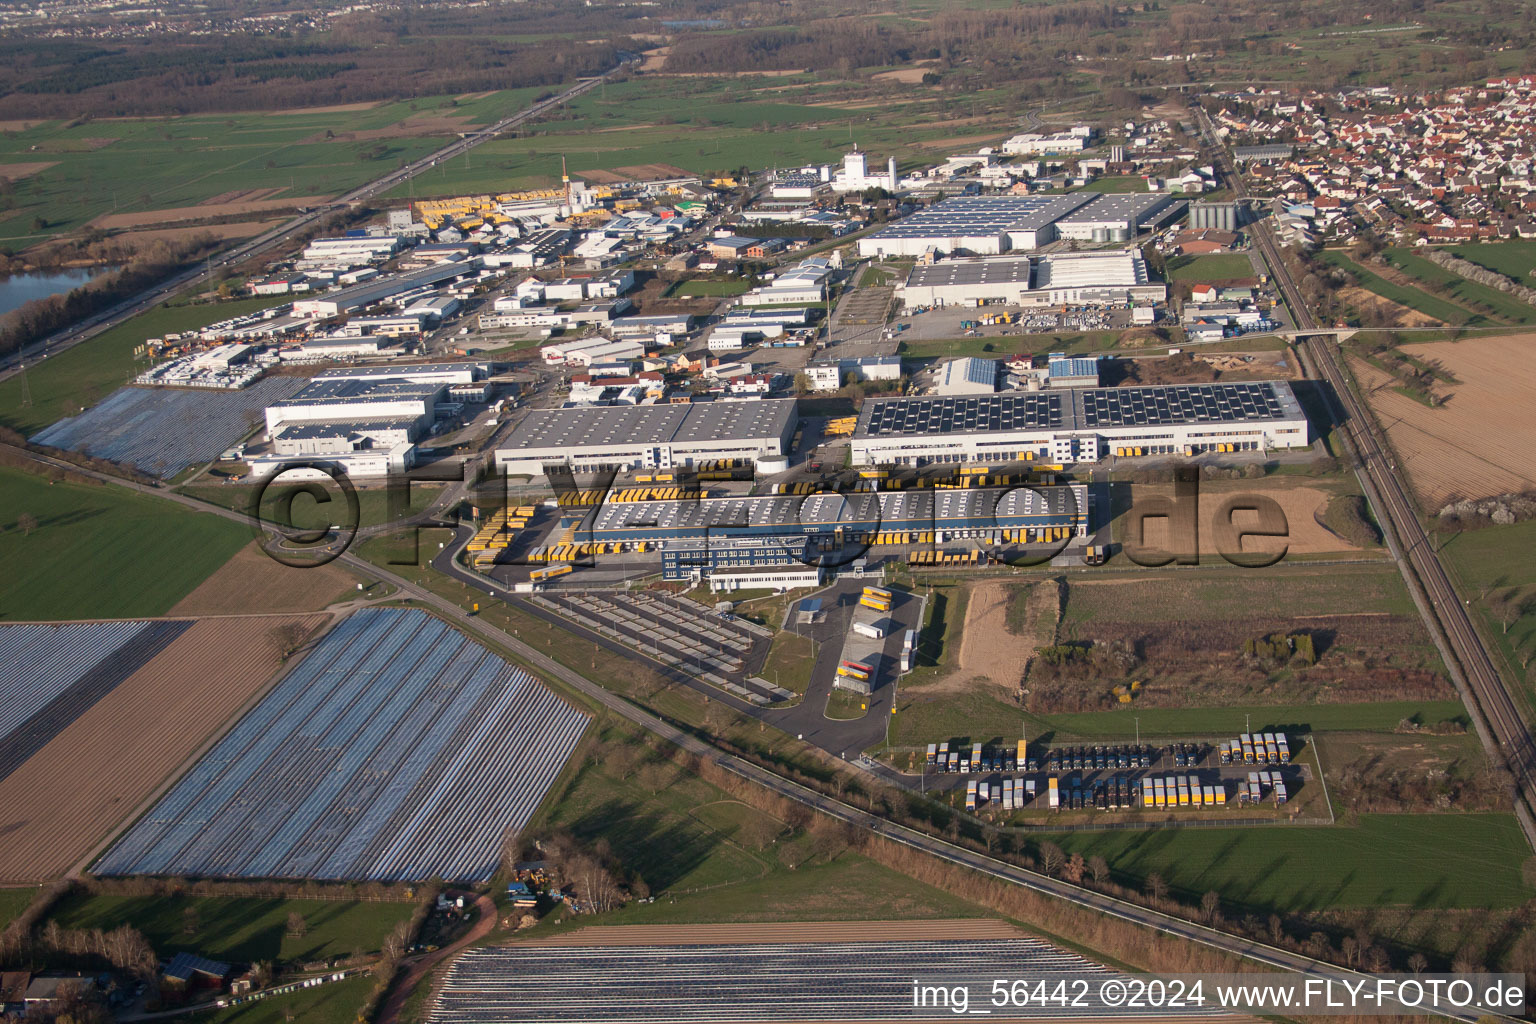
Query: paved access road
{"points": [[94, 325], [1499, 722]]}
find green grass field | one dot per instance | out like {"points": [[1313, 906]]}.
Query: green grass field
{"points": [[129, 165], [1501, 307], [13, 902], [1513, 258], [1410, 860], [684, 837], [335, 1003], [1072, 344], [1413, 298], [1222, 594], [1123, 183], [238, 929], [1501, 559], [790, 661], [1223, 266], [709, 289], [63, 384], [102, 552]]}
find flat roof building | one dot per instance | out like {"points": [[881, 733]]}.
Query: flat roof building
{"points": [[984, 225], [659, 436], [1079, 425], [1113, 217], [1082, 278], [968, 376]]}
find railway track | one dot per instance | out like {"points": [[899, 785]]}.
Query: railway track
{"points": [[1495, 714]]}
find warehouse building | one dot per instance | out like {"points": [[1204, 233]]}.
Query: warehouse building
{"points": [[779, 528], [353, 400], [648, 436], [361, 296], [1064, 371], [967, 376], [1079, 425], [1115, 217], [984, 225], [1084, 278], [416, 373]]}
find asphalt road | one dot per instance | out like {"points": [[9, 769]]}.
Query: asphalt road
{"points": [[94, 325], [1498, 720]]}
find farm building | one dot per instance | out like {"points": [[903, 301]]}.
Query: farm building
{"points": [[1080, 424], [661, 436]]}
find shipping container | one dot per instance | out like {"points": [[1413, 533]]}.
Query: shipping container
{"points": [[873, 630], [877, 592], [875, 603], [1053, 793], [970, 796]]}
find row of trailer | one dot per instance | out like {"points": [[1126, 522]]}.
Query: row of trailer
{"points": [[1256, 748], [972, 557], [1262, 784], [567, 551], [1174, 791], [861, 671], [545, 573], [497, 533], [1006, 794], [976, 757], [876, 598], [656, 494]]}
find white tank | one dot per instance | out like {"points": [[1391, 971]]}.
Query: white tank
{"points": [[769, 465]]}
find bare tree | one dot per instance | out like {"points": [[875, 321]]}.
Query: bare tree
{"points": [[656, 776], [1156, 887], [791, 855], [296, 926], [1418, 963], [760, 831], [1210, 906], [287, 637], [1051, 858], [26, 523], [1098, 867]]}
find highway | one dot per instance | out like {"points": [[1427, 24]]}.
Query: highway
{"points": [[91, 326], [1495, 714]]}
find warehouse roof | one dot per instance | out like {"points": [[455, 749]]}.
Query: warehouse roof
{"points": [[320, 392], [1119, 268], [605, 426], [341, 428], [1007, 270], [985, 215], [1085, 409], [1117, 208]]}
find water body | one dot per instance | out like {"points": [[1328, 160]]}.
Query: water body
{"points": [[19, 289]]}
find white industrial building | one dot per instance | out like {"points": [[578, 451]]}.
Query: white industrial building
{"points": [[415, 373], [352, 249], [806, 282], [1074, 140], [990, 225], [967, 376], [1086, 278], [648, 436], [1079, 424], [348, 400], [855, 176], [828, 375]]}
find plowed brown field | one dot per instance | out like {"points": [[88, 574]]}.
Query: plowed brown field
{"points": [[250, 583], [69, 796], [1481, 440]]}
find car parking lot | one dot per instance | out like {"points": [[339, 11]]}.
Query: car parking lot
{"points": [[946, 322]]}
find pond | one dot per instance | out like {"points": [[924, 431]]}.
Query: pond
{"points": [[19, 289]]}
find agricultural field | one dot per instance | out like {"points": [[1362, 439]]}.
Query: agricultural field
{"points": [[1185, 640], [1479, 439], [242, 929], [1420, 861], [335, 1003], [117, 726], [703, 124], [14, 901], [76, 379], [252, 583], [161, 431], [101, 551], [129, 173], [1495, 569], [406, 749], [1225, 266]]}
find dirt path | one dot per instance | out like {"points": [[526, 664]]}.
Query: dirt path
{"points": [[406, 983], [991, 654]]}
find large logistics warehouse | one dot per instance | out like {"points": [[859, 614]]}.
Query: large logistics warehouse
{"points": [[1084, 278], [990, 225], [648, 436], [1080, 424], [792, 523]]}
